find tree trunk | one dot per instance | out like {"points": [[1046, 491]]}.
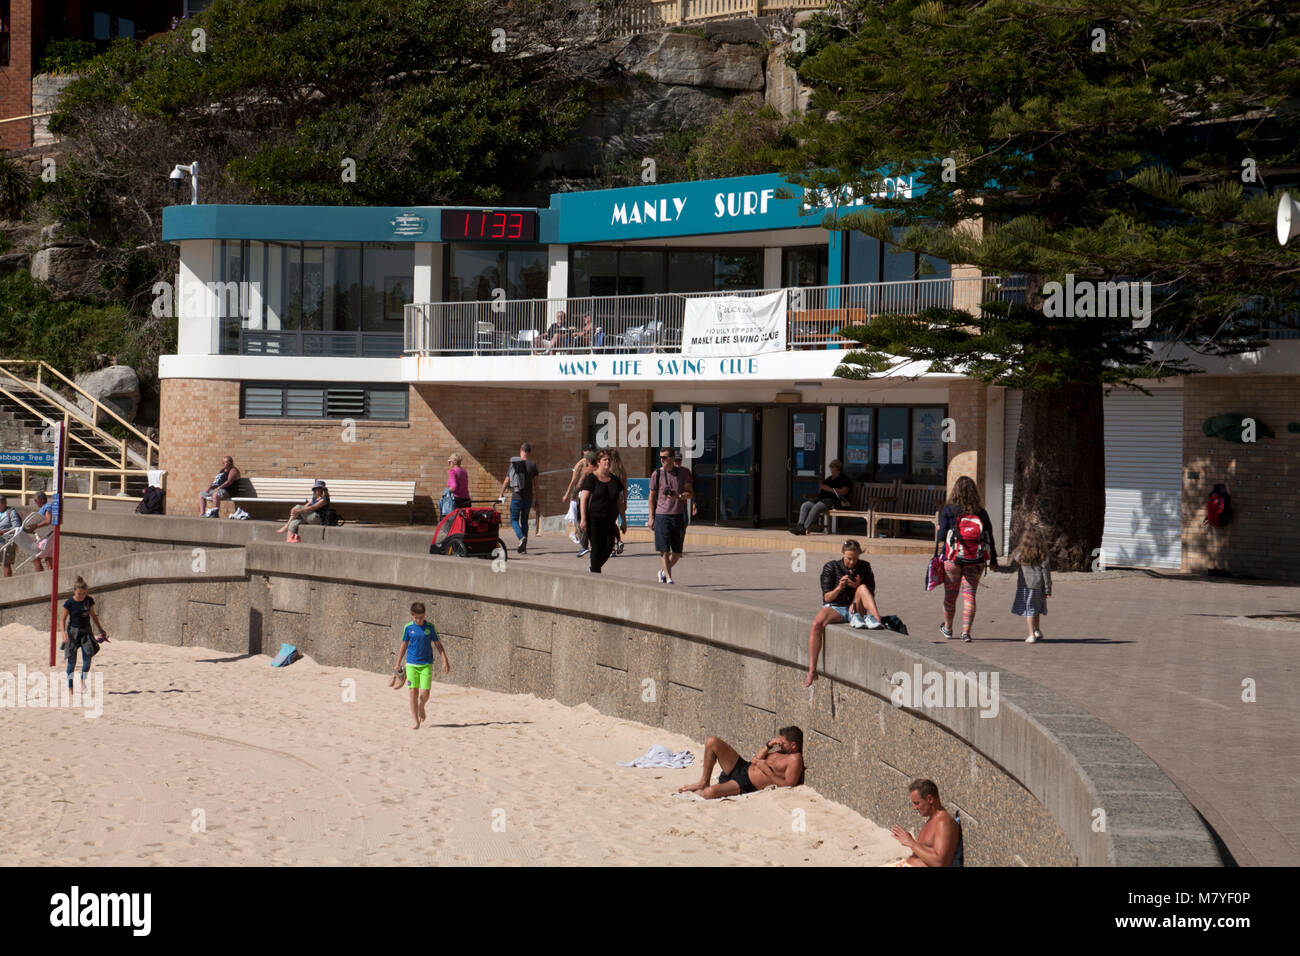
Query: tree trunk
{"points": [[1061, 472]]}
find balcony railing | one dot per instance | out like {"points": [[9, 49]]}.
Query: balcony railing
{"points": [[236, 340], [653, 323], [634, 16]]}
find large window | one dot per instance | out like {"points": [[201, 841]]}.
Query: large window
{"points": [[881, 443], [328, 292], [475, 271], [360, 402], [601, 271], [805, 266], [870, 260]]}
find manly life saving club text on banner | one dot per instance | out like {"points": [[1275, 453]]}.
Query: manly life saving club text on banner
{"points": [[731, 325]]}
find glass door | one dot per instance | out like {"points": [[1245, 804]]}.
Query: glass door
{"points": [[705, 468], [807, 437], [736, 457]]}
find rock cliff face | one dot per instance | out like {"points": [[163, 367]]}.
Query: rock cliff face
{"points": [[644, 86]]}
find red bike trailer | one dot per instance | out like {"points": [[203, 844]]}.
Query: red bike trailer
{"points": [[469, 531]]}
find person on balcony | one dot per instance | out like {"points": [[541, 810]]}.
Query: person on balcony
{"points": [[585, 336], [552, 338]]}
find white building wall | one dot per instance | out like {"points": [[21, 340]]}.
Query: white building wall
{"points": [[196, 310]]}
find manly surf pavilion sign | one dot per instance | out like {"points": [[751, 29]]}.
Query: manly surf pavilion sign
{"points": [[737, 204]]}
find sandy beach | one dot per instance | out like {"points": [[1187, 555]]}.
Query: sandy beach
{"points": [[201, 758]]}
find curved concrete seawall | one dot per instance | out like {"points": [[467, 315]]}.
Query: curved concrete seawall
{"points": [[1038, 781]]}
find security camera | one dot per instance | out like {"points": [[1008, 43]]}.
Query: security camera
{"points": [[178, 172]]}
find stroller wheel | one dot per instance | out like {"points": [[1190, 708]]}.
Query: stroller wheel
{"points": [[456, 548], [499, 550]]}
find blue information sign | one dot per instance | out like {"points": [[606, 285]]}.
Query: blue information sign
{"points": [[37, 459], [638, 502]]}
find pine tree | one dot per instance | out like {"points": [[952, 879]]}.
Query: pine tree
{"points": [[1137, 141]]}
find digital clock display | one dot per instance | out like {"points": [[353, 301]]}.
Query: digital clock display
{"points": [[488, 225]]}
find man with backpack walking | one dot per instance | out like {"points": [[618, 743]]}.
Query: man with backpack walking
{"points": [[671, 486], [521, 479]]}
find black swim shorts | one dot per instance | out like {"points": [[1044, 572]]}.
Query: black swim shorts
{"points": [[740, 774]]}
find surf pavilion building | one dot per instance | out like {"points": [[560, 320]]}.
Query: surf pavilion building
{"points": [[371, 342]]}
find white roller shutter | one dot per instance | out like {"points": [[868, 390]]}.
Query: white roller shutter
{"points": [[1144, 486], [1144, 468]]}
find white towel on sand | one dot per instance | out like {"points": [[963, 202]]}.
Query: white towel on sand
{"points": [[660, 756]]}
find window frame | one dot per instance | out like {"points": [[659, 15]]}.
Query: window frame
{"points": [[368, 388]]}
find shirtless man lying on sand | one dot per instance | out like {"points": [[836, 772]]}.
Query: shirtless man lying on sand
{"points": [[939, 842], [779, 764]]}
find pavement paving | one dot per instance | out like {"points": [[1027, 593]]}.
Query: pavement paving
{"points": [[1171, 661]]}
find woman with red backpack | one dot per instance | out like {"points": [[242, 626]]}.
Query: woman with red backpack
{"points": [[966, 537]]}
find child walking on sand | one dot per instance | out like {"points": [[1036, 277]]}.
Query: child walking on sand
{"points": [[1034, 584], [78, 612], [418, 640]]}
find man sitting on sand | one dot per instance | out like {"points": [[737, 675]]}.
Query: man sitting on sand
{"points": [[779, 764], [939, 842]]}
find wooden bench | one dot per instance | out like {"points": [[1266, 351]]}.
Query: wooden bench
{"points": [[914, 503], [344, 491], [867, 497], [823, 325]]}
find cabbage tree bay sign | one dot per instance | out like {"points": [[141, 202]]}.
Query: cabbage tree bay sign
{"points": [[734, 325]]}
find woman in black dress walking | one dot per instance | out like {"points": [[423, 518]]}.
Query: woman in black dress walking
{"points": [[601, 502]]}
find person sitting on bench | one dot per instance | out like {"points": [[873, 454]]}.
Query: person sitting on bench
{"points": [[836, 491]]}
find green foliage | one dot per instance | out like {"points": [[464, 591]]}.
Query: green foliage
{"points": [[15, 188], [740, 141], [289, 89], [65, 56], [67, 335], [1113, 165]]}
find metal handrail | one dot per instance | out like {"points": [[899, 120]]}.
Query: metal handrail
{"points": [[653, 322]]}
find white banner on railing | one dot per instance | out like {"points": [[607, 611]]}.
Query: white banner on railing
{"points": [[732, 325]]}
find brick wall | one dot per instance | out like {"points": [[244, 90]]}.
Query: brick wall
{"points": [[1263, 478], [16, 78], [199, 423]]}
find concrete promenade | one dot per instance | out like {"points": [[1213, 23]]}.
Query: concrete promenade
{"points": [[1161, 658]]}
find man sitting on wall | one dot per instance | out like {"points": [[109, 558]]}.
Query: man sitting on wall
{"points": [[848, 590], [939, 843], [778, 764]]}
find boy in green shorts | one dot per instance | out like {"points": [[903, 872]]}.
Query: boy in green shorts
{"points": [[418, 641]]}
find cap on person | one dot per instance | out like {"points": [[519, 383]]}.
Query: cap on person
{"points": [[318, 484]]}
